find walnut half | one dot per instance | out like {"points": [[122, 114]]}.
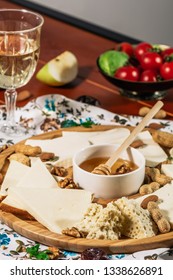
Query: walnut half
{"points": [[68, 183], [74, 232]]}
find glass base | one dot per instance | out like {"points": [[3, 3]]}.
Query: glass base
{"points": [[13, 130], [157, 95]]}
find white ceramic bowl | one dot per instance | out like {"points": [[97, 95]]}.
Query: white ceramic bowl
{"points": [[109, 186]]}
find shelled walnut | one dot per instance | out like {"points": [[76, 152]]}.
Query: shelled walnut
{"points": [[68, 183], [74, 232], [58, 171]]}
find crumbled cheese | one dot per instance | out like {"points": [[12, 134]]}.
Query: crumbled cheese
{"points": [[122, 217], [102, 223], [90, 218], [138, 223]]}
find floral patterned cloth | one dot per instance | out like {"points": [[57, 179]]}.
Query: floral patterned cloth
{"points": [[44, 114]]}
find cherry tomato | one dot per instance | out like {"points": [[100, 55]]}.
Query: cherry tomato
{"points": [[166, 70], [166, 52], [129, 72], [151, 60], [142, 48], [148, 76], [125, 47]]}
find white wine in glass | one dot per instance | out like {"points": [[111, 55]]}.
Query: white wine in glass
{"points": [[20, 32]]}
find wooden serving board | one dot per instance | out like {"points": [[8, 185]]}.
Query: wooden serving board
{"points": [[37, 232]]}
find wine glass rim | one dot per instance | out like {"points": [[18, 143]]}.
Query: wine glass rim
{"points": [[23, 11]]}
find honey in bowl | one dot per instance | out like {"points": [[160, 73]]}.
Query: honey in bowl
{"points": [[113, 186], [121, 166]]}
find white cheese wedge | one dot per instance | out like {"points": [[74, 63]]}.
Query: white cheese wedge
{"points": [[167, 169], [55, 208], [111, 136], [11, 201], [71, 142], [165, 195], [152, 151], [63, 147], [15, 172], [37, 177]]}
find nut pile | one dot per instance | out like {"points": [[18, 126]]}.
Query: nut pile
{"points": [[154, 179]]}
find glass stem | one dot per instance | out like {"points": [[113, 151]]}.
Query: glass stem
{"points": [[10, 101]]}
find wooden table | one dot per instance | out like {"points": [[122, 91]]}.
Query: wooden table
{"points": [[58, 36]]}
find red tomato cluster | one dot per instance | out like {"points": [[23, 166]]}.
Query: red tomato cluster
{"points": [[146, 63]]}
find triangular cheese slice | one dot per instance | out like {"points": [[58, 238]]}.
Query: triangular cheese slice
{"points": [[71, 142], [112, 136], [152, 151], [63, 147], [15, 172], [10, 201], [55, 208], [38, 176]]}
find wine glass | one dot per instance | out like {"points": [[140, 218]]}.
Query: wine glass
{"points": [[19, 52]]}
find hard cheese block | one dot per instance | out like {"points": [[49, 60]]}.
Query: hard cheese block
{"points": [[55, 208]]}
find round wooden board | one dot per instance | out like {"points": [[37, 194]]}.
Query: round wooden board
{"points": [[35, 231]]}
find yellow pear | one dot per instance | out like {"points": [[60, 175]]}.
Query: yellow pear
{"points": [[59, 71]]}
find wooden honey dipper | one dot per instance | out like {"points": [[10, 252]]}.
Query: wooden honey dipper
{"points": [[105, 169]]}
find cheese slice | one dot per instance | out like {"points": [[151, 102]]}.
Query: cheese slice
{"points": [[14, 173], [13, 206], [11, 201], [55, 208], [165, 195], [152, 151], [71, 142], [37, 177], [111, 136], [63, 147], [167, 169]]}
